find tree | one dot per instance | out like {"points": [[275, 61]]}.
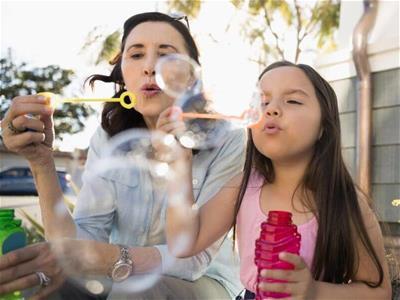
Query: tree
{"points": [[19, 79], [269, 21], [108, 44]]}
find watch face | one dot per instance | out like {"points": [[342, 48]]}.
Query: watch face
{"points": [[121, 272]]}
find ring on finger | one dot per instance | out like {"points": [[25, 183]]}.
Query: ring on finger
{"points": [[43, 279], [11, 127]]}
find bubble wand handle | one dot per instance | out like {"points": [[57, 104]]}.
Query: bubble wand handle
{"points": [[127, 99]]}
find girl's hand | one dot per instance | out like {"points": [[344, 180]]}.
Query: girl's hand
{"points": [[171, 121], [300, 283], [29, 136]]}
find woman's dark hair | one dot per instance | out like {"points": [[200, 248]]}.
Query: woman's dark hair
{"points": [[115, 118], [336, 206]]}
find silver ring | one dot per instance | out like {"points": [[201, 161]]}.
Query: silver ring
{"points": [[11, 127], [43, 279]]}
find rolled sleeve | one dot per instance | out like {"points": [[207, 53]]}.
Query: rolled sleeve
{"points": [[191, 268]]}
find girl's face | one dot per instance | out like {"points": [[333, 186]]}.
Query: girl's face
{"points": [[144, 45], [291, 120]]}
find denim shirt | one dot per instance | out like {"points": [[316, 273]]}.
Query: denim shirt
{"points": [[119, 209]]}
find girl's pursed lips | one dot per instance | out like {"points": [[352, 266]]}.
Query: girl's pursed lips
{"points": [[271, 127]]}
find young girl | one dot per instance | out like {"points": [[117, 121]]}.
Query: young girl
{"points": [[294, 163]]}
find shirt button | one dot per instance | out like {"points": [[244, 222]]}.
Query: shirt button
{"points": [[195, 181]]}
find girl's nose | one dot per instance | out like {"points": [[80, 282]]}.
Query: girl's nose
{"points": [[273, 110]]}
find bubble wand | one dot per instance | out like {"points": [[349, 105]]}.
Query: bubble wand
{"points": [[126, 99]]}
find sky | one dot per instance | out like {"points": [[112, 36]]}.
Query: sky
{"points": [[53, 32]]}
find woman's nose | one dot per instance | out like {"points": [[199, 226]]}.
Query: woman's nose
{"points": [[149, 71], [149, 67]]}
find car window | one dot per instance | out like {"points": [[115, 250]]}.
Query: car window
{"points": [[11, 173]]}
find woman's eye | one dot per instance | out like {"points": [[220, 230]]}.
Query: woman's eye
{"points": [[137, 55], [161, 54], [294, 102]]}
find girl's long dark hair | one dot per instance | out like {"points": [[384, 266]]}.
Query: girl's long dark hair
{"points": [[115, 118], [335, 205]]}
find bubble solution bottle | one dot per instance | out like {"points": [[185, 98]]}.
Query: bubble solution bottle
{"points": [[277, 234], [12, 237]]}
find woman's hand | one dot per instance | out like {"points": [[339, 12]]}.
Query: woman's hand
{"points": [[29, 136], [17, 270], [300, 283]]}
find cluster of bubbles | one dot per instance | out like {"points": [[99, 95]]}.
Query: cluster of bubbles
{"points": [[180, 77], [151, 163]]}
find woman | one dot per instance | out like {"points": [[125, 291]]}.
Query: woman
{"points": [[103, 216]]}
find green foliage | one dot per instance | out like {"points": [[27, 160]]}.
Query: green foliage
{"points": [[33, 235], [110, 47], [19, 80], [328, 15], [190, 8], [318, 19]]}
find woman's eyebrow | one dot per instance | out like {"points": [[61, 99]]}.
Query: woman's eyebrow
{"points": [[164, 46], [138, 46], [161, 46]]}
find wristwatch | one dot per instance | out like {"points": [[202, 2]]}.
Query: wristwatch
{"points": [[123, 267]]}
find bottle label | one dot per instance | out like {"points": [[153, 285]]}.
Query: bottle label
{"points": [[12, 242]]}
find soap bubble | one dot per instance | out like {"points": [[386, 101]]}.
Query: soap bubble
{"points": [[130, 181], [206, 123]]}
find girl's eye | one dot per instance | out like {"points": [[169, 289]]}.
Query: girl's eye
{"points": [[294, 102]]}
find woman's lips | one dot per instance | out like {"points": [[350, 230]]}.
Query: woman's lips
{"points": [[150, 90], [150, 93]]}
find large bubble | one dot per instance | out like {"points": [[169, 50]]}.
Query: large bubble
{"points": [[130, 180], [207, 109]]}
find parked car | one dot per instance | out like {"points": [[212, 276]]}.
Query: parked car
{"points": [[19, 181]]}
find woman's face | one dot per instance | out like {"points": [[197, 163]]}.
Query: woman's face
{"points": [[291, 119], [144, 45]]}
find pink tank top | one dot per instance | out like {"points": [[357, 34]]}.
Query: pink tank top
{"points": [[249, 220]]}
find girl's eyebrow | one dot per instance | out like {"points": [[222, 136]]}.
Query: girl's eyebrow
{"points": [[296, 91], [288, 92]]}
